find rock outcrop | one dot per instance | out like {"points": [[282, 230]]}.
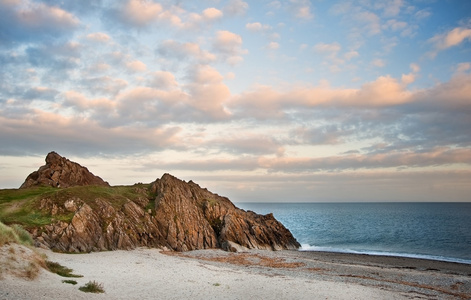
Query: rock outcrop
{"points": [[190, 217], [61, 172], [169, 213]]}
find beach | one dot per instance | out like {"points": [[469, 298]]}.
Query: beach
{"points": [[214, 274]]}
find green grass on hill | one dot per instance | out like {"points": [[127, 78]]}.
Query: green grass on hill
{"points": [[21, 206]]}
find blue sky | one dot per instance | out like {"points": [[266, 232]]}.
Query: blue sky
{"points": [[256, 100]]}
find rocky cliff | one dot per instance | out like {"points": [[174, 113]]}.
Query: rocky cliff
{"points": [[61, 172], [169, 212]]}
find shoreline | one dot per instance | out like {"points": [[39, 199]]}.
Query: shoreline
{"points": [[393, 254], [212, 274]]}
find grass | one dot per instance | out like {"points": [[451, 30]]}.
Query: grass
{"points": [[69, 281], [7, 235], [60, 270], [14, 234], [21, 206], [92, 287]]}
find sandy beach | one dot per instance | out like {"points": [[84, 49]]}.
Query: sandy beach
{"points": [[214, 274]]}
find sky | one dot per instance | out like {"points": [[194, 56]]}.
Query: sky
{"points": [[280, 101]]}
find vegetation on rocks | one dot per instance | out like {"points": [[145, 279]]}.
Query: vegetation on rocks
{"points": [[66, 208]]}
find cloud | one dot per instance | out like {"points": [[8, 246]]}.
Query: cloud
{"points": [[212, 13], [301, 9], [99, 37], [40, 93], [30, 21], [390, 8], [207, 93], [351, 54], [438, 156], [452, 38], [136, 66], [377, 62], [257, 27], [141, 13], [328, 49], [184, 51], [273, 46], [371, 22], [308, 165], [236, 8], [229, 46], [163, 80], [81, 103], [246, 144], [463, 67], [395, 25], [320, 135], [453, 95], [103, 85], [43, 131], [266, 102], [55, 56]]}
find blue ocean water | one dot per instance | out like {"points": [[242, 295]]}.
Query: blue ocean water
{"points": [[440, 231]]}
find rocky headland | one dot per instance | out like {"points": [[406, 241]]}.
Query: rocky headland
{"points": [[86, 214]]}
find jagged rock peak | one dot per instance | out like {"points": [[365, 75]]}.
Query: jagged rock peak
{"points": [[191, 217], [61, 172]]}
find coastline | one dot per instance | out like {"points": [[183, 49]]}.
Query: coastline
{"points": [[213, 274]]}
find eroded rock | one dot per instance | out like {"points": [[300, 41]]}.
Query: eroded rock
{"points": [[61, 172], [184, 217]]}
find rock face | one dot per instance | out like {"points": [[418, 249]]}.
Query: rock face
{"points": [[168, 213], [61, 172], [185, 217], [190, 217]]}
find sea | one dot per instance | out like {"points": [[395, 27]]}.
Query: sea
{"points": [[437, 231]]}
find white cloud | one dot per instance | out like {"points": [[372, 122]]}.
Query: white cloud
{"points": [[31, 21], [378, 63], [408, 78], [99, 37], [351, 54], [136, 66], [273, 46], [390, 8], [257, 26], [395, 25], [188, 50], [141, 13], [372, 23], [449, 39], [414, 67], [236, 8], [81, 103], [328, 49], [212, 13], [163, 80], [301, 9], [229, 45], [463, 67], [38, 15], [207, 92]]}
